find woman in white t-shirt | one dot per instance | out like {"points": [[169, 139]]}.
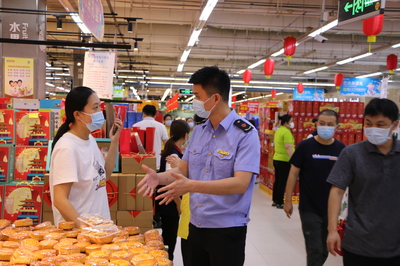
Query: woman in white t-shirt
{"points": [[78, 170]]}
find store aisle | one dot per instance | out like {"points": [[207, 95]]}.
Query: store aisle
{"points": [[272, 238]]}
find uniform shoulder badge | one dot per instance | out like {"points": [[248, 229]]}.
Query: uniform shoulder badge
{"points": [[243, 125]]}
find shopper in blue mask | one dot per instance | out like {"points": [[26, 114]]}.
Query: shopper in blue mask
{"points": [[312, 162], [78, 170], [371, 171], [219, 169]]}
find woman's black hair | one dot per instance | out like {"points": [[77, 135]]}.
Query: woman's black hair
{"points": [[76, 100], [178, 130], [284, 119], [167, 115]]}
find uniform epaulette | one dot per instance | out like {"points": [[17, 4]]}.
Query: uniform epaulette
{"points": [[243, 125], [202, 121]]}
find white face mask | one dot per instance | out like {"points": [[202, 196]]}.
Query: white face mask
{"points": [[168, 122], [97, 121], [198, 107], [291, 124], [377, 136]]}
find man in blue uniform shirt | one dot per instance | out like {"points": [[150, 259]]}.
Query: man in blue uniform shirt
{"points": [[219, 170]]}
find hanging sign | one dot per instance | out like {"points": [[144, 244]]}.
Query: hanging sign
{"points": [[309, 94], [91, 14], [98, 73], [252, 107], [243, 107], [18, 77], [363, 87], [352, 10]]}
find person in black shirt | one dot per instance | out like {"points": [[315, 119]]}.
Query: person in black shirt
{"points": [[312, 162]]}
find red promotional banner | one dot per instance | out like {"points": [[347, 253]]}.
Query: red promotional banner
{"points": [[252, 107], [243, 107]]}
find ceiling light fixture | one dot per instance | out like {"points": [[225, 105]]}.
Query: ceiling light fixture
{"points": [[136, 46], [369, 75], [190, 98], [238, 93], [80, 23], [166, 92], [351, 59], [323, 28], [396, 45], [256, 64], [48, 64], [278, 53], [315, 70], [241, 71]]}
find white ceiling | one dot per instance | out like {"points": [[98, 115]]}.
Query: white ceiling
{"points": [[237, 34]]}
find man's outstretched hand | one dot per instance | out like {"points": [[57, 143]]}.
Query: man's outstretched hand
{"points": [[179, 187], [149, 182]]}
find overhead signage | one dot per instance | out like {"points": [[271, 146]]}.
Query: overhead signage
{"points": [[352, 10], [185, 91], [98, 73], [18, 77], [362, 87], [91, 14], [309, 94], [252, 107]]}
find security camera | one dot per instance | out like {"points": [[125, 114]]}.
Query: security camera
{"points": [[320, 38]]}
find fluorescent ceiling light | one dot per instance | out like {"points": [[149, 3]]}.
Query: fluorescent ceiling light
{"points": [[185, 55], [50, 84], [166, 92], [52, 78], [278, 53], [134, 71], [238, 93], [256, 64], [171, 83], [396, 45], [189, 99], [58, 74], [369, 75], [193, 38], [180, 67], [48, 64], [351, 59], [80, 23], [241, 71], [208, 9], [57, 68], [319, 84], [324, 28], [315, 70]]}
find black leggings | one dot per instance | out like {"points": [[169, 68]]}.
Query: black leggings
{"points": [[281, 175]]}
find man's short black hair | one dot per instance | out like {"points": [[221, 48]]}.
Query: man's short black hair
{"points": [[213, 80], [329, 112], [149, 110], [384, 107]]}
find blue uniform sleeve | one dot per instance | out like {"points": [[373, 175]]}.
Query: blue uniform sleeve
{"points": [[248, 153], [342, 174]]}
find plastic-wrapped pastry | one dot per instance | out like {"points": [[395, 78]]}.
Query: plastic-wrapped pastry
{"points": [[66, 225], [121, 255], [23, 222]]}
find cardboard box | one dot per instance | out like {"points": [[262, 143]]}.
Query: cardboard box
{"points": [[309, 108], [7, 121], [30, 163], [21, 201], [6, 163], [25, 104], [48, 217], [338, 136], [131, 165], [354, 110], [345, 138], [50, 104], [300, 123], [143, 219], [113, 215], [352, 137], [126, 192], [342, 109], [33, 128], [359, 137], [46, 195], [348, 109], [296, 108], [316, 109], [360, 111], [142, 203], [329, 106], [302, 111], [112, 192]]}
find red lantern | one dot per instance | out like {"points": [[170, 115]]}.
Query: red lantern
{"points": [[247, 77], [391, 62], [338, 80], [372, 27], [289, 47], [273, 94], [269, 67], [300, 88]]}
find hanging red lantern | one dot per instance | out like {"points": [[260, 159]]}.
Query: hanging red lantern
{"points": [[269, 66], [247, 77], [372, 27], [391, 62], [300, 88], [273, 94], [289, 47], [338, 80]]}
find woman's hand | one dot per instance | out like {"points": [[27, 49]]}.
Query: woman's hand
{"points": [[173, 160], [115, 131]]}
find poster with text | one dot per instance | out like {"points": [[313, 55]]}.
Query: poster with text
{"points": [[18, 77], [361, 87], [309, 94], [98, 73]]}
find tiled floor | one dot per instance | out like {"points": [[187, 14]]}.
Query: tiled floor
{"points": [[272, 238]]}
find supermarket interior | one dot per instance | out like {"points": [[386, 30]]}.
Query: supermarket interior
{"points": [[282, 57]]}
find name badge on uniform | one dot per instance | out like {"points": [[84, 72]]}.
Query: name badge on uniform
{"points": [[223, 152]]}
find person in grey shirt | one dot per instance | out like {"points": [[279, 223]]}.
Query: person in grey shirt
{"points": [[371, 170]]}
